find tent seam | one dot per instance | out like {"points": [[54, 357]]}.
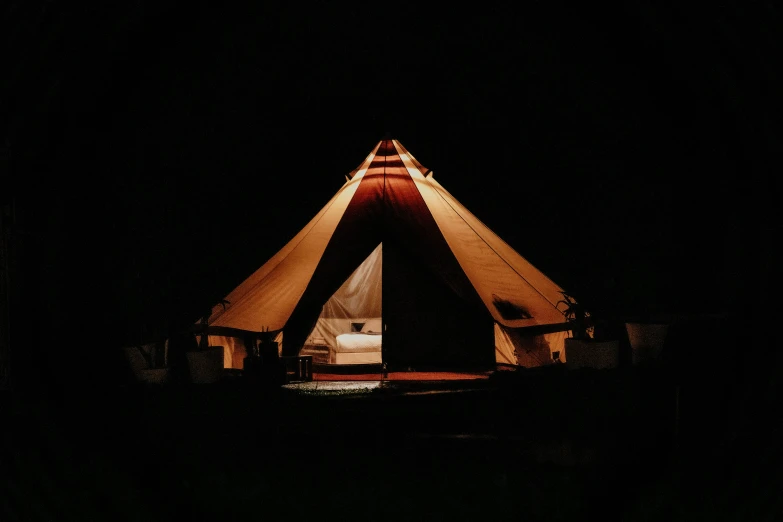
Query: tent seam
{"points": [[485, 241]]}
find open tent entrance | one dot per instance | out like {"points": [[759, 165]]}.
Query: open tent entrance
{"points": [[349, 328], [424, 325]]}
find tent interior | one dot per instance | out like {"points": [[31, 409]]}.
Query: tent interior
{"points": [[349, 328]]}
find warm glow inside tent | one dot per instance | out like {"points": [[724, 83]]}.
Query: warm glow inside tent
{"points": [[393, 269]]}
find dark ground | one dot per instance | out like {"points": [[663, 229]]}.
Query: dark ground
{"points": [[547, 445]]}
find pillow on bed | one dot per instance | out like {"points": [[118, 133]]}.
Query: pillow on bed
{"points": [[373, 326]]}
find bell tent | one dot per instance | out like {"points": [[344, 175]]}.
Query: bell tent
{"points": [[393, 269]]}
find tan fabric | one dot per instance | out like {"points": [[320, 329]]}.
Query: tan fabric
{"points": [[266, 299], [512, 346]]}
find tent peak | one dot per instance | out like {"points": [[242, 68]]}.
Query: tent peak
{"points": [[386, 148]]}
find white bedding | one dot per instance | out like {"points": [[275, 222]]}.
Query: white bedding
{"points": [[358, 348]]}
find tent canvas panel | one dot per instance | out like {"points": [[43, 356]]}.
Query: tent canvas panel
{"points": [[515, 346]]}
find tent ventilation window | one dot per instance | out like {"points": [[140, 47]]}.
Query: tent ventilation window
{"points": [[357, 327], [509, 310]]}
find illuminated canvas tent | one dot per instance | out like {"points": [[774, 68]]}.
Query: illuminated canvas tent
{"points": [[395, 255]]}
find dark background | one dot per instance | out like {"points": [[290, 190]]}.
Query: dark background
{"points": [[156, 153]]}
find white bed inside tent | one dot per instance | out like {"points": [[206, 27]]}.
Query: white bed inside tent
{"points": [[349, 329], [346, 341], [359, 347]]}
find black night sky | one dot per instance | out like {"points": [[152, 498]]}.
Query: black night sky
{"points": [[160, 151]]}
